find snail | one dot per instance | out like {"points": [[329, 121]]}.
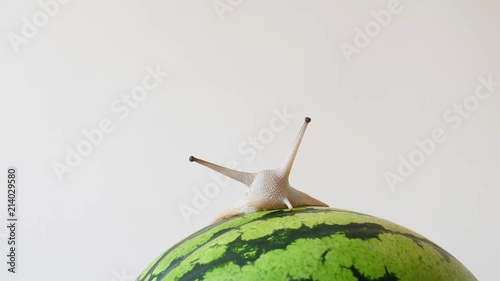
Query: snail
{"points": [[267, 189]]}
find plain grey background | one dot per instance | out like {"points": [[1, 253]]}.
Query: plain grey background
{"points": [[234, 68]]}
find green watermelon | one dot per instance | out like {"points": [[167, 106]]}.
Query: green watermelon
{"points": [[311, 243]]}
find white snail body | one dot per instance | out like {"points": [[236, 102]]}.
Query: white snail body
{"points": [[267, 189]]}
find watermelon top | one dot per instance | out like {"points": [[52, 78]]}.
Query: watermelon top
{"points": [[312, 243]]}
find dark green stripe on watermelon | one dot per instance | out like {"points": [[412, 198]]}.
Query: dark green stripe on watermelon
{"points": [[313, 243]]}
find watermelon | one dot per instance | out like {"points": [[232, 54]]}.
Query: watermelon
{"points": [[310, 243]]}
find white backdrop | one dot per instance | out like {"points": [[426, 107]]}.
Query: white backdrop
{"points": [[403, 97]]}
